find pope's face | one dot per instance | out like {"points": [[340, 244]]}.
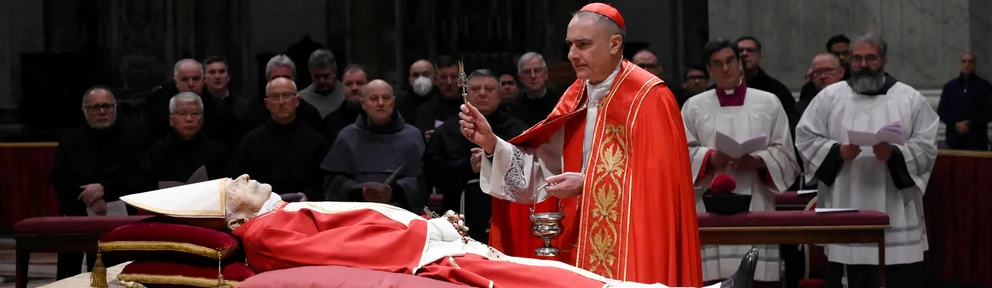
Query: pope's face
{"points": [[591, 46], [244, 197]]}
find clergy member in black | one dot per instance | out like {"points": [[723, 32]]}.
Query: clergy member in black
{"points": [[280, 66], [353, 80], [436, 110], [964, 108], [181, 153], [284, 152], [451, 162], [93, 165], [538, 100], [377, 159]]}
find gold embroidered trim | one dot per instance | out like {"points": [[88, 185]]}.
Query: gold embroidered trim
{"points": [[214, 214], [176, 280], [167, 246]]}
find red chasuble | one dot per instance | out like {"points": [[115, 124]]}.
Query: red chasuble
{"points": [[636, 217]]}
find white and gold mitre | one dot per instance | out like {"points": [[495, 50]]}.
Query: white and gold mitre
{"points": [[197, 200]]}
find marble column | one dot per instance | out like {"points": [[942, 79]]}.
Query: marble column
{"points": [[980, 22], [925, 37]]}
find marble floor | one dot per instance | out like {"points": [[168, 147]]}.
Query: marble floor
{"points": [[41, 271]]}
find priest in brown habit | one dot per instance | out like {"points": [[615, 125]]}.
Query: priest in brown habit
{"points": [[452, 162], [377, 158], [93, 165]]}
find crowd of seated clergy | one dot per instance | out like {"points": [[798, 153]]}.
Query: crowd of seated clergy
{"points": [[346, 137]]}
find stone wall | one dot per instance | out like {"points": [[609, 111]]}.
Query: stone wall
{"points": [[926, 38]]}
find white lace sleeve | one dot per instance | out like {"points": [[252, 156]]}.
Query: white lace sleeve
{"points": [[516, 173]]}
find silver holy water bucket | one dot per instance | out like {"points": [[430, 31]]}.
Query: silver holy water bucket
{"points": [[547, 226]]}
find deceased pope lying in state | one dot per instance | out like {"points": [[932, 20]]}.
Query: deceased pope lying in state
{"points": [[281, 235]]}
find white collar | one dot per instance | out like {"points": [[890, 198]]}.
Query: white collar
{"points": [[597, 91], [274, 202]]}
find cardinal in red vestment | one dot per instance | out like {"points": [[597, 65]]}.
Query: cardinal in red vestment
{"points": [[278, 235], [612, 154]]}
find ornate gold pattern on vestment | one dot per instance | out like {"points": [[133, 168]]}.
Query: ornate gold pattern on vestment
{"points": [[607, 192]]}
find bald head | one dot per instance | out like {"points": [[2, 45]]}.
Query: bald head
{"points": [[647, 60], [280, 83], [968, 63], [377, 86], [378, 101], [421, 68], [825, 70], [827, 58]]}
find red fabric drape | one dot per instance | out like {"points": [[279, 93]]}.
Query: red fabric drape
{"points": [[24, 188], [959, 227]]}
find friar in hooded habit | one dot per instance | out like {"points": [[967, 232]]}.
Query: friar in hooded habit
{"points": [[452, 163], [377, 159]]}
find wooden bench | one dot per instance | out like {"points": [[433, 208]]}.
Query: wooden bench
{"points": [[797, 227], [60, 235]]}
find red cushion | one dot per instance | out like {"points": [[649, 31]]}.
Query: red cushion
{"points": [[163, 241], [171, 274], [339, 277], [791, 198], [812, 283], [793, 218], [74, 224]]}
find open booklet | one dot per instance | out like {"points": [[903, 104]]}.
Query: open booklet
{"points": [[891, 133], [735, 149]]}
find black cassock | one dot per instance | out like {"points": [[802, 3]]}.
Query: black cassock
{"points": [[284, 156], [88, 156], [447, 167], [365, 152], [437, 110], [334, 122], [174, 159]]}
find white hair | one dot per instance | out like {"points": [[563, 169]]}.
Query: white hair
{"points": [[277, 61], [184, 97], [86, 95], [175, 69], [269, 85], [872, 40], [530, 56]]}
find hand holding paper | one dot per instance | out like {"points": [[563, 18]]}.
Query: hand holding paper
{"points": [[735, 149], [891, 133]]}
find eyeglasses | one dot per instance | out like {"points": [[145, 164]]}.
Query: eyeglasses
{"points": [[534, 71], [869, 58], [648, 66], [184, 114], [95, 108]]}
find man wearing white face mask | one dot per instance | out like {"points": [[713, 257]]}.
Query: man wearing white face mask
{"points": [[445, 105], [421, 89]]}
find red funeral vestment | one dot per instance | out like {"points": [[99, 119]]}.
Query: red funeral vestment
{"points": [[340, 234], [636, 217]]}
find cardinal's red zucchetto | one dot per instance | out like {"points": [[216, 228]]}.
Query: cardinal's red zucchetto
{"points": [[606, 10]]}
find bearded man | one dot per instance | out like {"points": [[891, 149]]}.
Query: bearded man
{"points": [[279, 235], [887, 177]]}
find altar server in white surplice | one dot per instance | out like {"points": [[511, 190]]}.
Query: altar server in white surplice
{"points": [[741, 113], [887, 177]]}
